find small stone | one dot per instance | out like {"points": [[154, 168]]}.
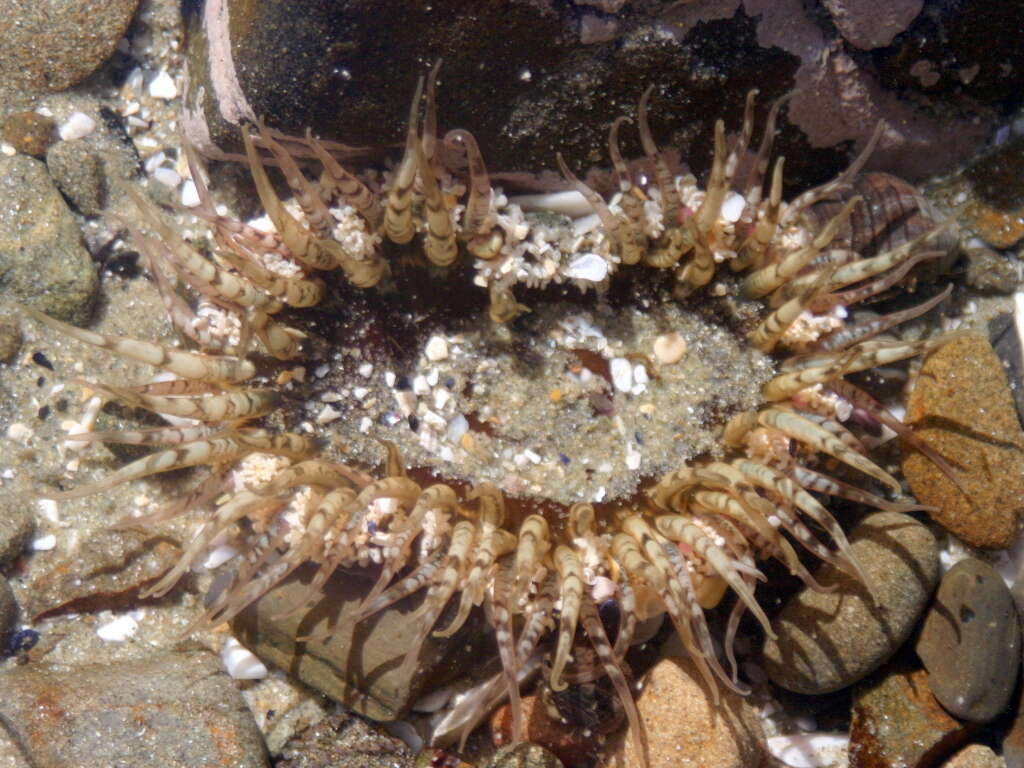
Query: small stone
{"points": [[587, 266], [621, 371], [897, 721], [78, 172], [162, 87], [162, 709], [685, 728], [829, 640], [77, 126], [524, 756], [670, 348], [436, 349], [975, 756], [962, 407], [567, 744], [970, 642], [42, 257], [358, 662], [341, 740], [29, 132]]}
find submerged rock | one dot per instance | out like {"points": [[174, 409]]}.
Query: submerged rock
{"points": [[829, 640]]}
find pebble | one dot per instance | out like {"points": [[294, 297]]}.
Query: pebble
{"points": [[41, 253], [436, 349], [524, 756], [896, 721], [166, 709], [358, 664], [685, 728], [961, 405], [975, 756], [827, 641], [240, 662], [970, 642], [162, 87], [78, 172], [77, 126], [670, 348], [29, 132]]}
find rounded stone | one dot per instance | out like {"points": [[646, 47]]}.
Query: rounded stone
{"points": [[42, 258], [50, 45], [524, 756], [970, 642], [685, 727], [78, 172], [828, 640]]}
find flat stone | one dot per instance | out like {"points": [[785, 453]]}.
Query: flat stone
{"points": [[685, 727], [962, 407], [164, 710], [975, 756], [896, 721], [970, 642], [42, 259], [827, 641], [358, 664]]}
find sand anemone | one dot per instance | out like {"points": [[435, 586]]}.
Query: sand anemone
{"points": [[788, 437]]}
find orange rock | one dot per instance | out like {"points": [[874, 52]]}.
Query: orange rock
{"points": [[962, 407], [570, 745], [685, 728]]}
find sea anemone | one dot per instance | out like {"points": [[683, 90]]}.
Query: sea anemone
{"points": [[749, 479]]}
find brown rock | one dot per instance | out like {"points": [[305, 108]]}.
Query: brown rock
{"points": [[355, 664], [829, 640], [686, 728], [962, 407], [897, 722], [29, 132], [570, 745]]}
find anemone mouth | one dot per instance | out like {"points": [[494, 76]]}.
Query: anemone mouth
{"points": [[564, 408]]}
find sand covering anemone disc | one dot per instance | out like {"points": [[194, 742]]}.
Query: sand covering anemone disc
{"points": [[706, 524]]}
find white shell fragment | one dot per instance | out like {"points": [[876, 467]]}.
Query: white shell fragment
{"points": [[189, 194], [670, 348], [119, 629], [733, 206], [622, 373], [162, 87], [436, 349], [77, 126], [44, 543], [587, 266], [240, 662], [809, 750]]}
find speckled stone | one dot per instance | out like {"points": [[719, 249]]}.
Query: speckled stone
{"points": [[524, 756], [164, 710], [827, 641], [29, 132], [344, 741], [970, 642], [49, 45], [10, 337], [569, 744], [975, 756], [42, 258], [78, 172], [961, 405], [896, 721], [358, 664], [685, 728]]}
